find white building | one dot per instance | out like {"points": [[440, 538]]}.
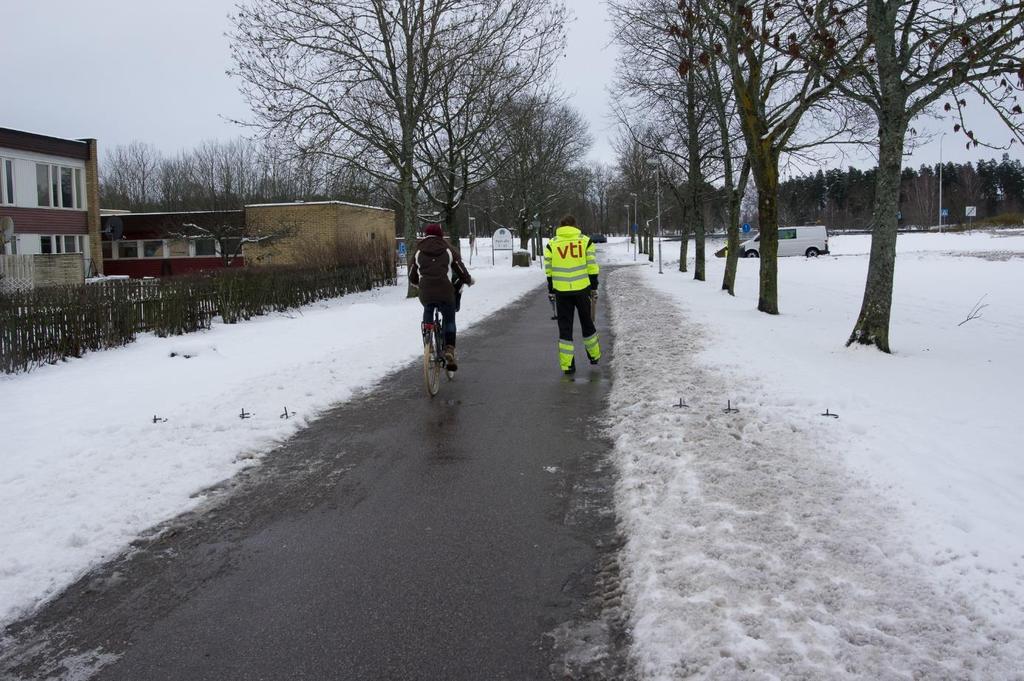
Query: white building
{"points": [[49, 196]]}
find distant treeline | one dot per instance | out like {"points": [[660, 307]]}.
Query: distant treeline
{"points": [[842, 199], [225, 176]]}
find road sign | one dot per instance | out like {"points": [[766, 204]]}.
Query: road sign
{"points": [[635, 228], [899, 215], [502, 239], [945, 212], [746, 227], [971, 211], [401, 249]]}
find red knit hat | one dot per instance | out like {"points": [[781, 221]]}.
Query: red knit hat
{"points": [[434, 229]]}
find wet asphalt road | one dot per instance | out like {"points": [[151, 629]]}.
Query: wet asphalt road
{"points": [[398, 537]]}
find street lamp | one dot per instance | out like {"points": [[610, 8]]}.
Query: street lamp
{"points": [[656, 164]]}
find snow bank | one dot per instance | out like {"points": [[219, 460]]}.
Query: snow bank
{"points": [[84, 467], [878, 545]]}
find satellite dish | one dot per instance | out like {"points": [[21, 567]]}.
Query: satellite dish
{"points": [[116, 227]]}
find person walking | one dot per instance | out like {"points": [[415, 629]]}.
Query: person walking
{"points": [[437, 269], [570, 265]]}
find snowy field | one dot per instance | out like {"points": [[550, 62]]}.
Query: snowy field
{"points": [[84, 469], [776, 542]]}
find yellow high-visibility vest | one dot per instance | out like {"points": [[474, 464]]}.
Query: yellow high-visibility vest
{"points": [[569, 259]]}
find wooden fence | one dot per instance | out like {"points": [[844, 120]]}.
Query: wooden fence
{"points": [[48, 325]]}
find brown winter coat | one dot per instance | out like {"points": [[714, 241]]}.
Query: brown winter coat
{"points": [[433, 267]]}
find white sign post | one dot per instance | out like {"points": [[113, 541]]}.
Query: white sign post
{"points": [[971, 212], [501, 240]]}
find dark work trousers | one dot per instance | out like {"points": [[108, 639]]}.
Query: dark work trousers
{"points": [[448, 317], [579, 301]]}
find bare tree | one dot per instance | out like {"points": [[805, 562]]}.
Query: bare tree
{"points": [[772, 50], [357, 80], [464, 147], [921, 53], [546, 139], [130, 176]]}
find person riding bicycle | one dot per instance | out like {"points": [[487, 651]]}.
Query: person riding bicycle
{"points": [[437, 269], [570, 265]]}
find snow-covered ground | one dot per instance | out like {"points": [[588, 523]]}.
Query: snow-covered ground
{"points": [[84, 469], [776, 542]]}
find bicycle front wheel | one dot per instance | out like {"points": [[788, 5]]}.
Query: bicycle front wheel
{"points": [[431, 366]]}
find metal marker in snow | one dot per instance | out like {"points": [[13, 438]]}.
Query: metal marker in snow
{"points": [[681, 404], [287, 414], [828, 413], [245, 414], [729, 409], [157, 419]]}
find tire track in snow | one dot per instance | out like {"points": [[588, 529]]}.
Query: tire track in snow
{"points": [[751, 553]]}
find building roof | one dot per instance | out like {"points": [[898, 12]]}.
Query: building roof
{"points": [[43, 144], [315, 203], [110, 212]]}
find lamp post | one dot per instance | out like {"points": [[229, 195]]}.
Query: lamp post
{"points": [[940, 180], [656, 164]]}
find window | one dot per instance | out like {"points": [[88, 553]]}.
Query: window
{"points": [[55, 186], [127, 249], [152, 249], [178, 248], [6, 180], [58, 186], [45, 244], [67, 191], [43, 184], [71, 244], [787, 234], [206, 247]]}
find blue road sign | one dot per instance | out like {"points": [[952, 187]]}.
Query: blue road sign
{"points": [[899, 215], [401, 249], [635, 228], [746, 227], [945, 212]]}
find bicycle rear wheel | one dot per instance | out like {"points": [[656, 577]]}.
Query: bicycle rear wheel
{"points": [[431, 364]]}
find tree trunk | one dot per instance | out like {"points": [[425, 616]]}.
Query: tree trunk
{"points": [[872, 327], [695, 177], [732, 256], [732, 245], [408, 198], [684, 248], [650, 247], [768, 219]]}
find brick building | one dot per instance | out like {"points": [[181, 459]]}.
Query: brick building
{"points": [[322, 233], [49, 194], [318, 232]]}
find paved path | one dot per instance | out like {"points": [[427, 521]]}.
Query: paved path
{"points": [[399, 537]]}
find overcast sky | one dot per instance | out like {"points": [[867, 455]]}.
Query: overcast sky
{"points": [[120, 70]]}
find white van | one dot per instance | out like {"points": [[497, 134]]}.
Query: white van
{"points": [[809, 240]]}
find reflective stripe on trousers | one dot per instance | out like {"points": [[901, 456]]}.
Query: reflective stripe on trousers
{"points": [[593, 346], [565, 353]]}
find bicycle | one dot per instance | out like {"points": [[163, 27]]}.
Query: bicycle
{"points": [[433, 353]]}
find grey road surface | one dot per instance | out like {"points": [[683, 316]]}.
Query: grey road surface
{"points": [[468, 536]]}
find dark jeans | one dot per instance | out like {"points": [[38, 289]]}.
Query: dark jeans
{"points": [[565, 304], [447, 315]]}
